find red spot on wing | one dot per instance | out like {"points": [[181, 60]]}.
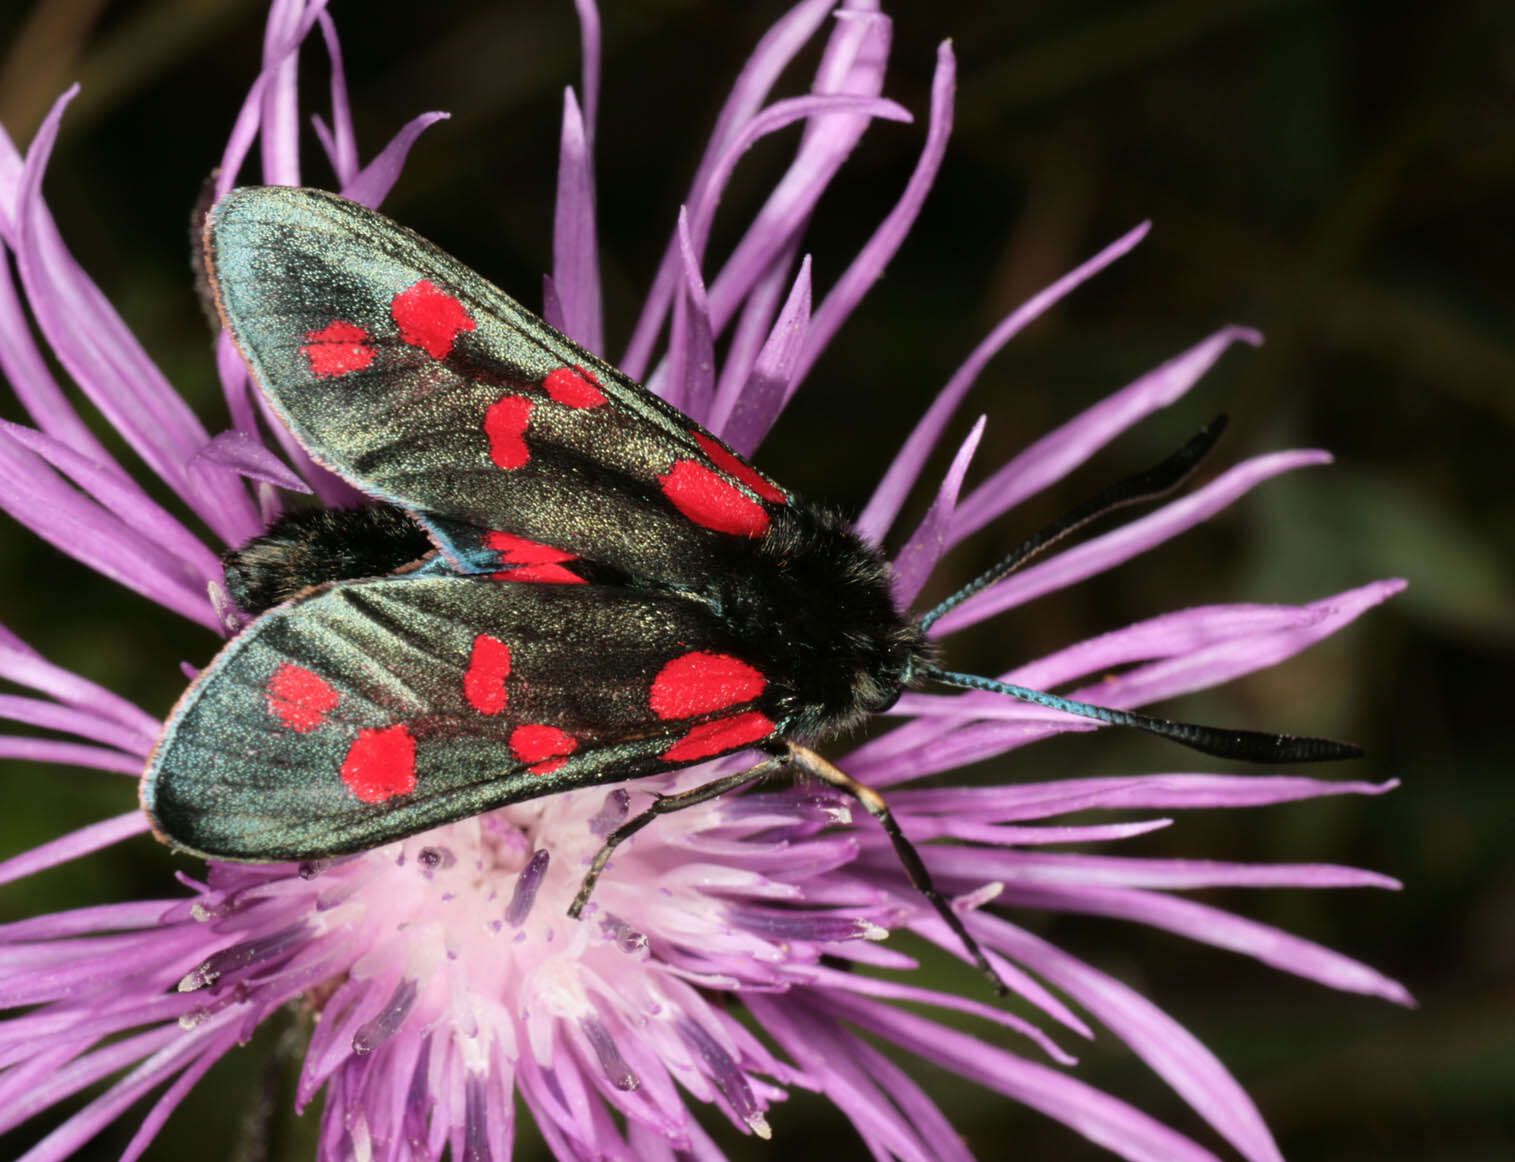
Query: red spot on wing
{"points": [[733, 465], [429, 318], [505, 424], [381, 763], [484, 680], [701, 682], [528, 560], [719, 737], [574, 387], [546, 747], [336, 349], [708, 500], [299, 699]]}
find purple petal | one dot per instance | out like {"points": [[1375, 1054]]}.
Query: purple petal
{"points": [[1002, 835], [690, 371], [1060, 451], [371, 184], [176, 1093], [852, 65], [827, 1054], [1222, 661], [779, 46], [21, 664], [575, 251], [246, 456], [746, 409], [73, 754], [122, 496], [1061, 796], [1040, 868], [262, 106], [924, 548], [33, 494], [1105, 552], [889, 496], [823, 108], [868, 267], [589, 48], [1102, 1119], [828, 980], [100, 354], [1169, 1049], [84, 723], [341, 143], [30, 379], [1208, 925], [175, 1053], [82, 922], [73, 845]]}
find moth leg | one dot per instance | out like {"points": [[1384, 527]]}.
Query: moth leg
{"points": [[811, 763], [664, 805]]}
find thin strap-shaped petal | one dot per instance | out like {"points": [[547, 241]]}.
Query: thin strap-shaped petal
{"points": [[83, 722], [251, 115], [36, 497], [924, 547], [23, 665], [279, 124], [1040, 868], [73, 845], [773, 54], [575, 251], [868, 267], [241, 453], [1207, 925], [764, 252], [821, 1046], [878, 516], [1220, 662], [72, 754], [743, 415], [341, 142], [1060, 451], [829, 979], [690, 384], [1102, 1119], [1182, 791], [589, 50], [123, 496], [775, 117], [172, 1049], [371, 184], [211, 1053], [970, 830], [851, 67], [101, 355], [1168, 635], [33, 383], [1169, 1049], [1105, 552], [86, 921]]}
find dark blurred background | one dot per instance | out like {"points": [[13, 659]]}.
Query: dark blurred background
{"points": [[1339, 175]]}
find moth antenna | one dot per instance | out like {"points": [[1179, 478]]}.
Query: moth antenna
{"points": [[1151, 484], [1248, 745]]}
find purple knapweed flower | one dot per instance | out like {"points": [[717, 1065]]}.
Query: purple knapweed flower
{"points": [[447, 978]]}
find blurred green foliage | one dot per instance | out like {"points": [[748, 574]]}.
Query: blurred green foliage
{"points": [[1339, 175]]}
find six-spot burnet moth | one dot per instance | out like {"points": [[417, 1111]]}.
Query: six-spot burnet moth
{"points": [[564, 581]]}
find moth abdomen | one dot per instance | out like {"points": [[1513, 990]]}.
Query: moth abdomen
{"points": [[317, 546]]}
